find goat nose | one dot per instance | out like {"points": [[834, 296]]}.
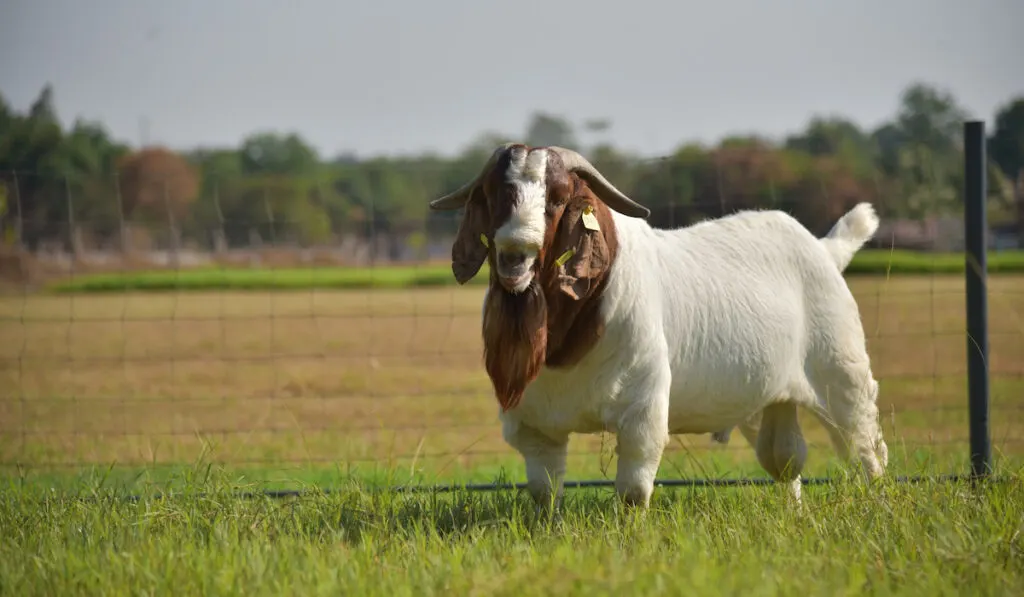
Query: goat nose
{"points": [[511, 258]]}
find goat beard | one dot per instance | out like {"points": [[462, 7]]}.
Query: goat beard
{"points": [[515, 340]]}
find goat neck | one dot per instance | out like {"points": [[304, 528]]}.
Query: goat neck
{"points": [[557, 319]]}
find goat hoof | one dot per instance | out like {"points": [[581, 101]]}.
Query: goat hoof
{"points": [[636, 498]]}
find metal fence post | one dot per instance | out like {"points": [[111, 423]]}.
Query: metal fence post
{"points": [[975, 237]]}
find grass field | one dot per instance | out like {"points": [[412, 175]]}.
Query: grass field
{"points": [[871, 261], [322, 381], [338, 388], [934, 540]]}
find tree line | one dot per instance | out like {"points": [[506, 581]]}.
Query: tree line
{"points": [[58, 184]]}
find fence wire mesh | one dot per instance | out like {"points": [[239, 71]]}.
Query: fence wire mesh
{"points": [[144, 334]]}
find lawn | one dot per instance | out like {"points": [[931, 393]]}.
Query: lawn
{"points": [[203, 392], [934, 540]]}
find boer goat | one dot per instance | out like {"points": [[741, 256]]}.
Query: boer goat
{"points": [[595, 321]]}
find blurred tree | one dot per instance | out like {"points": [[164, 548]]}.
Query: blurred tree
{"points": [[617, 167], [157, 188], [597, 129], [930, 117], [548, 129], [747, 173], [8, 227], [888, 139], [49, 171], [1006, 144], [1006, 149], [220, 171], [272, 153], [923, 153], [837, 137], [157, 181], [676, 189], [90, 158], [274, 186]]}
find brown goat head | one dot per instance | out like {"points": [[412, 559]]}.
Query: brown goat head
{"points": [[541, 218]]}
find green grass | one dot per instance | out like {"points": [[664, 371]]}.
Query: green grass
{"points": [[871, 262], [929, 539], [879, 261], [202, 279]]}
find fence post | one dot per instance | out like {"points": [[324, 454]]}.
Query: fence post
{"points": [[975, 237]]}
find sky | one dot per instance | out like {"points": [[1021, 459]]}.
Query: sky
{"points": [[402, 77]]}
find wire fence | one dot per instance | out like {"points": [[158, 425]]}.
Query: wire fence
{"points": [[273, 354]]}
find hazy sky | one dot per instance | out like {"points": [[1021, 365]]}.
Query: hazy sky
{"points": [[375, 76]]}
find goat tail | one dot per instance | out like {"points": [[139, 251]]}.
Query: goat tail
{"points": [[849, 234]]}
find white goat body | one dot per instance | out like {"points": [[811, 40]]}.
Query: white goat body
{"points": [[706, 327]]}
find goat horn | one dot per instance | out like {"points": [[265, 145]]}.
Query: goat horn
{"points": [[460, 196], [615, 199]]}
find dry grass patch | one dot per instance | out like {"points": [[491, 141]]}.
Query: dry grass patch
{"points": [[347, 376]]}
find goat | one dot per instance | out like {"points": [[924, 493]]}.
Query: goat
{"points": [[595, 321]]}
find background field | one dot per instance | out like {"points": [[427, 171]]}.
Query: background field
{"points": [[211, 392], [866, 262], [319, 384]]}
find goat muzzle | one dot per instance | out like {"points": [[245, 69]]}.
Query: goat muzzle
{"points": [[514, 270], [515, 284]]}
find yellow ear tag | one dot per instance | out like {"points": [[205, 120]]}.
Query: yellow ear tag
{"points": [[483, 239], [564, 257], [589, 219]]}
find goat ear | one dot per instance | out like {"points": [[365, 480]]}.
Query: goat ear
{"points": [[583, 255], [471, 244]]}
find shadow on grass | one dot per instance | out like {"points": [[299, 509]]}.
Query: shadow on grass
{"points": [[204, 502]]}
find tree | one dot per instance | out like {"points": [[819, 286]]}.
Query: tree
{"points": [[157, 187], [747, 172], [888, 139], [922, 152], [6, 119], [548, 129], [275, 186], [837, 137], [1006, 148], [157, 180], [1006, 144], [596, 128], [930, 117], [7, 227], [616, 166], [271, 153], [49, 172], [89, 157]]}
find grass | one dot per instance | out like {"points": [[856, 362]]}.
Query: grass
{"points": [[874, 262], [881, 261], [929, 539], [205, 392], [204, 279]]}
